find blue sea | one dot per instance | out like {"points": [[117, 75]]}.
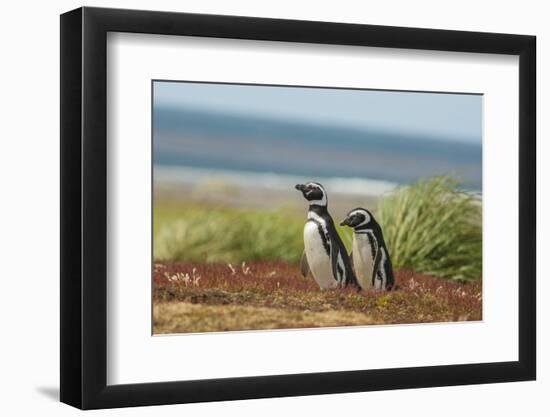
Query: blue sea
{"points": [[190, 142]]}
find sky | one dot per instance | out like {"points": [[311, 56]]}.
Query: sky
{"points": [[441, 117]]}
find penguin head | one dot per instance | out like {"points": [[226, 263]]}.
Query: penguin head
{"points": [[314, 193], [358, 217]]}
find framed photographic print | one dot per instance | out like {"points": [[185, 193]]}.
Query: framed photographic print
{"points": [[257, 207]]}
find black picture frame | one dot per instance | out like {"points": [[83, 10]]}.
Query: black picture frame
{"points": [[84, 207]]}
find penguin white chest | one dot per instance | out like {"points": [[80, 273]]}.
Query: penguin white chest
{"points": [[363, 259], [317, 256]]}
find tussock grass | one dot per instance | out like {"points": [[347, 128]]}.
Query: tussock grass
{"points": [[434, 228], [189, 233]]}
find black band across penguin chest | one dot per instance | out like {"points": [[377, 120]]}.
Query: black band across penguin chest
{"points": [[322, 233], [372, 243], [371, 238], [382, 269]]}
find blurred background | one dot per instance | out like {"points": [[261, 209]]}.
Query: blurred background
{"points": [[249, 144]]}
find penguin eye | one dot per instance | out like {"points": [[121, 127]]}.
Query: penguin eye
{"points": [[312, 188]]}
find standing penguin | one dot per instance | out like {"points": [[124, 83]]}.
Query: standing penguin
{"points": [[370, 256], [325, 255]]}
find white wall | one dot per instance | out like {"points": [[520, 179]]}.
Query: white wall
{"points": [[29, 100]]}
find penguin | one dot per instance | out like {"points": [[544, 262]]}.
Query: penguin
{"points": [[324, 252], [370, 256]]}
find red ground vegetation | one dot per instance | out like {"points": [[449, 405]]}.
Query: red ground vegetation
{"points": [[278, 285]]}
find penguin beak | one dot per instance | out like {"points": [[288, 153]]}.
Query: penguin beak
{"points": [[345, 222], [300, 187]]}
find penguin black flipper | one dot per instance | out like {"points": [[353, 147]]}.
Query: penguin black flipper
{"points": [[375, 265], [337, 261], [304, 266], [337, 268]]}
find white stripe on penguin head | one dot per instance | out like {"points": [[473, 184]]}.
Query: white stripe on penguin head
{"points": [[364, 213], [323, 200]]}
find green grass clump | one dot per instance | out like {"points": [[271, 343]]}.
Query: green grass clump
{"points": [[434, 228], [195, 233]]}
